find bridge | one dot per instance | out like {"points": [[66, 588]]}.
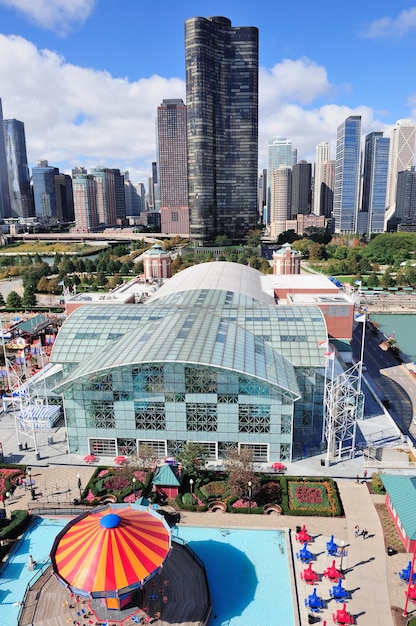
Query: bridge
{"points": [[119, 235]]}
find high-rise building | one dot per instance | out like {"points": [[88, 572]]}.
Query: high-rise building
{"points": [[301, 188], [21, 199], [222, 128], [347, 175], [401, 156], [280, 197], [173, 166], [323, 155], [120, 197], [376, 159], [326, 203], [85, 204], [405, 212], [5, 210], [44, 192], [64, 198], [280, 152], [106, 195]]}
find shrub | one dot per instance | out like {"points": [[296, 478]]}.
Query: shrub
{"points": [[377, 484], [18, 522]]}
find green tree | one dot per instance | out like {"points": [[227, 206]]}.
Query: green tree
{"points": [[193, 457], [372, 280], [240, 467], [221, 240], [13, 300], [2, 302], [29, 297]]}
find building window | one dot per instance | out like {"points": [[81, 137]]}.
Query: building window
{"points": [[200, 380], [286, 425], [224, 447], [127, 447], [175, 397], [260, 451], [148, 379], [122, 396], [175, 216], [103, 383], [149, 416], [201, 417], [100, 414], [102, 447], [156, 447], [251, 387], [228, 398], [211, 451], [253, 418], [285, 451]]}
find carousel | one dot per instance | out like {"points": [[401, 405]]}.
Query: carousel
{"points": [[111, 553]]}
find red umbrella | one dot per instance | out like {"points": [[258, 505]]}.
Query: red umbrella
{"points": [[111, 551]]}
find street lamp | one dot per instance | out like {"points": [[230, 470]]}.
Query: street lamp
{"points": [[249, 485], [191, 486], [134, 487], [342, 555], [79, 483]]}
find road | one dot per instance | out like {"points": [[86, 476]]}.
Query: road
{"points": [[386, 377]]}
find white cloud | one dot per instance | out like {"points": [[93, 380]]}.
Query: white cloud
{"points": [[80, 116], [55, 15], [392, 27]]}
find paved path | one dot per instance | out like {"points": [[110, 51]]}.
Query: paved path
{"points": [[370, 575]]}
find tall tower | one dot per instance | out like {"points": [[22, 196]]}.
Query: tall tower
{"points": [[376, 159], [280, 198], [44, 192], [173, 167], [5, 210], [222, 109], [347, 175], [401, 157], [301, 188], [280, 152], [405, 212], [323, 155], [106, 195], [64, 198], [85, 206], [326, 203], [120, 196], [21, 200]]}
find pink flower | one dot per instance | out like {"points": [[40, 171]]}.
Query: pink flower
{"points": [[90, 497]]}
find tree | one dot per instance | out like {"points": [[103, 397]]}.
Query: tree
{"points": [[221, 240], [193, 457], [13, 300], [29, 297], [240, 468], [2, 302]]}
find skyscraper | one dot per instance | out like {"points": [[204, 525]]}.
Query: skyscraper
{"points": [[376, 159], [280, 152], [5, 210], [347, 175], [405, 212], [326, 203], [173, 166], [301, 188], [120, 196], [44, 192], [323, 155], [401, 157], [280, 197], [106, 195], [21, 200], [64, 198], [85, 205], [222, 128]]}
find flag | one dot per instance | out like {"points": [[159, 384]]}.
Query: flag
{"points": [[357, 282], [360, 318]]}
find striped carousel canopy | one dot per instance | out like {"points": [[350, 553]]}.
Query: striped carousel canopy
{"points": [[112, 551]]}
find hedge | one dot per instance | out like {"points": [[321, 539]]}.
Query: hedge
{"points": [[17, 525]]}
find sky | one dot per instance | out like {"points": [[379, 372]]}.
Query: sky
{"points": [[86, 76]]}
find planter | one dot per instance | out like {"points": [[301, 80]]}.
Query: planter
{"points": [[217, 505], [272, 508]]}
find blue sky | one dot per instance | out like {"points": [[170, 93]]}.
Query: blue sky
{"points": [[86, 76]]}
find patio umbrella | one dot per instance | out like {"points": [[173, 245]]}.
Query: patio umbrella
{"points": [[111, 552]]}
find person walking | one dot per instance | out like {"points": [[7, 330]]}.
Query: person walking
{"points": [[364, 533], [356, 530]]}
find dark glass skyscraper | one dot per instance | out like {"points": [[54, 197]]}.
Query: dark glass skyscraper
{"points": [[347, 175], [4, 181], [21, 199], [376, 161], [222, 107]]}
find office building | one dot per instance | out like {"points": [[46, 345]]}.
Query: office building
{"points": [[323, 155], [173, 167], [280, 152], [280, 199], [301, 188], [64, 198], [209, 358], [376, 160], [120, 197], [21, 199], [5, 210], [222, 128], [85, 203], [405, 212], [106, 195], [401, 157], [326, 201], [347, 175], [44, 192]]}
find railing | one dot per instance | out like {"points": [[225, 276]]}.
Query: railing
{"points": [[410, 465], [28, 589]]}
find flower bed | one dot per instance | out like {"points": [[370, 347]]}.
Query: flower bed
{"points": [[313, 497]]}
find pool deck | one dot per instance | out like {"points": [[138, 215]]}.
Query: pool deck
{"points": [[371, 575]]}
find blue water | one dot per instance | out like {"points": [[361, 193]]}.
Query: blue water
{"points": [[248, 572], [402, 326]]}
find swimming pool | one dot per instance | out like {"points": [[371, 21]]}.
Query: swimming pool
{"points": [[248, 572]]}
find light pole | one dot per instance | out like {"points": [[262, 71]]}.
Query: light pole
{"points": [[249, 485], [342, 555], [79, 483], [133, 480], [191, 486]]}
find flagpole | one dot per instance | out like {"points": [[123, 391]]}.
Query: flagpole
{"points": [[363, 322]]}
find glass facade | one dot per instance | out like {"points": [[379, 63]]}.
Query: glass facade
{"points": [[376, 161], [222, 109], [347, 175], [207, 365], [21, 201]]}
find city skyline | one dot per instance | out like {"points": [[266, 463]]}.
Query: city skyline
{"points": [[86, 80]]}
